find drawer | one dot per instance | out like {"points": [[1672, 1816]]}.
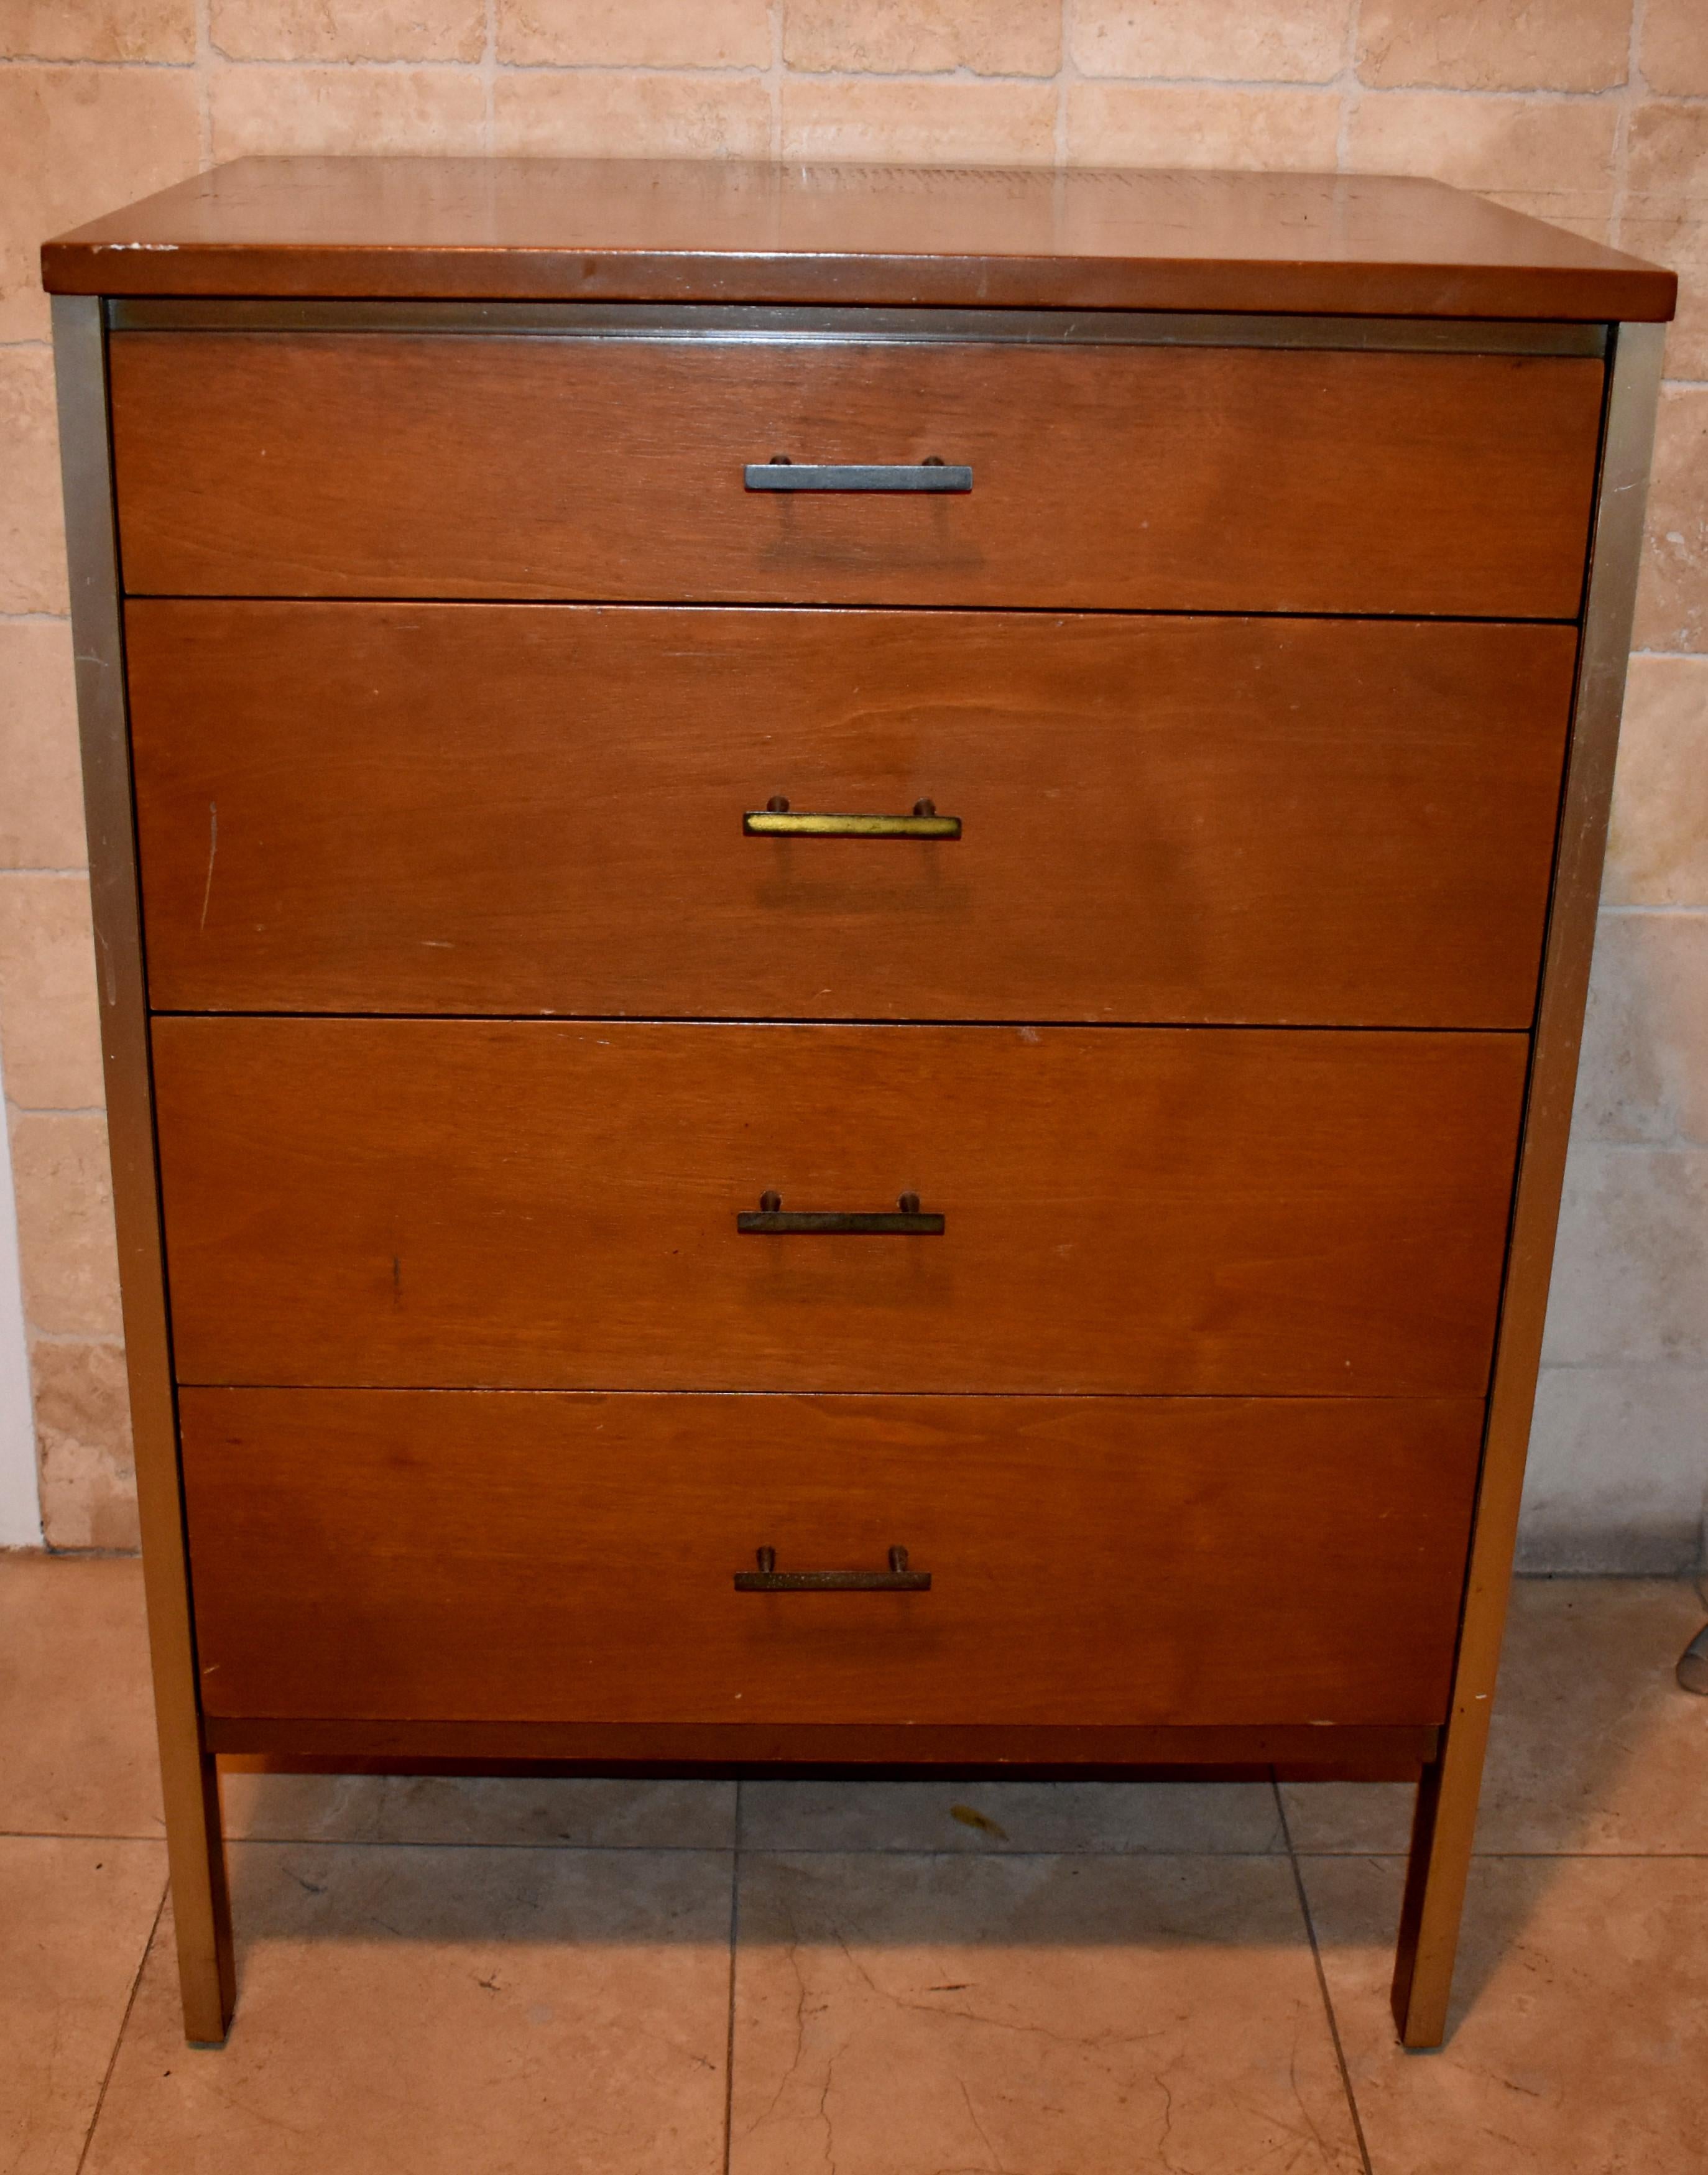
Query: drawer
{"points": [[438, 1555], [417, 1202], [444, 808], [1169, 479]]}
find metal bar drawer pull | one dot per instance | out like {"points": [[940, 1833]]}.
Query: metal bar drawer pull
{"points": [[767, 1578], [776, 819], [780, 473], [772, 1218]]}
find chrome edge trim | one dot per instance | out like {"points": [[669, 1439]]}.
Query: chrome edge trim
{"points": [[1603, 661], [761, 323], [187, 1772], [98, 641], [1447, 1805]]}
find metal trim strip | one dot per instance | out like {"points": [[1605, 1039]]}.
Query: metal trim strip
{"points": [[1447, 1796], [761, 323], [194, 1846]]}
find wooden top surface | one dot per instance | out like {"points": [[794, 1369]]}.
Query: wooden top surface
{"points": [[644, 230]]}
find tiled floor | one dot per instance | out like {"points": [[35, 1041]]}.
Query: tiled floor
{"points": [[592, 1978]]}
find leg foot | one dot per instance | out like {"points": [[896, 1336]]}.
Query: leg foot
{"points": [[1443, 1827], [201, 1904]]}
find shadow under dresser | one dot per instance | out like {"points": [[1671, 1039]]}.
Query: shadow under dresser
{"points": [[842, 918]]}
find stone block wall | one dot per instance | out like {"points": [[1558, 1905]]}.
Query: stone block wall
{"points": [[1593, 113]]}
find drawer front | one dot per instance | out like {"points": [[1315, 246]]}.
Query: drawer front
{"points": [[448, 808], [1196, 1210], [1104, 1561], [1164, 479]]}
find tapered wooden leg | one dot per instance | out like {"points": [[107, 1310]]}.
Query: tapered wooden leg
{"points": [[201, 1901], [1443, 1828]]}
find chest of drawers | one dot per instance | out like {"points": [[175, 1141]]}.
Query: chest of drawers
{"points": [[842, 920]]}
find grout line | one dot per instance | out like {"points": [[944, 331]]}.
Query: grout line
{"points": [[123, 2023], [1397, 1857], [1068, 74], [113, 1341], [561, 1843], [1622, 131], [1674, 1143], [1536, 95], [69, 64], [205, 92], [1672, 1366], [735, 1944], [1322, 1984], [64, 1835], [1064, 64], [325, 64], [776, 68], [1351, 89], [713, 1850], [489, 78], [1541, 95]]}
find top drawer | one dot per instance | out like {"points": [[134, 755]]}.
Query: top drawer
{"points": [[1173, 479]]}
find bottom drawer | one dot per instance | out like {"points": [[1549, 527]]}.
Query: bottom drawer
{"points": [[558, 1557]]}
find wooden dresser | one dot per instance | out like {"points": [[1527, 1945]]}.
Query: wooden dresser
{"points": [[842, 921]]}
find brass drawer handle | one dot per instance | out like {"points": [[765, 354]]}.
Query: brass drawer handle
{"points": [[776, 819], [767, 1578], [770, 1218], [780, 473]]}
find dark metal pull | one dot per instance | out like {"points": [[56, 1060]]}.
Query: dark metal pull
{"points": [[767, 1578], [776, 819], [770, 1218], [780, 473]]}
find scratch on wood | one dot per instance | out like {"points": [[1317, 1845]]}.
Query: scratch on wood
{"points": [[213, 848]]}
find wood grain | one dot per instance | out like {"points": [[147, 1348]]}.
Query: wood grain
{"points": [[1155, 479], [445, 808], [1093, 1561], [737, 230], [1207, 1210]]}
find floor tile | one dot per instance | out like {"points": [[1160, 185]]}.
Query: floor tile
{"points": [[1005, 1816], [1358, 1817], [74, 1920], [604, 1813], [76, 1716], [927, 2015], [438, 2012], [1593, 1746], [1579, 2039]]}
